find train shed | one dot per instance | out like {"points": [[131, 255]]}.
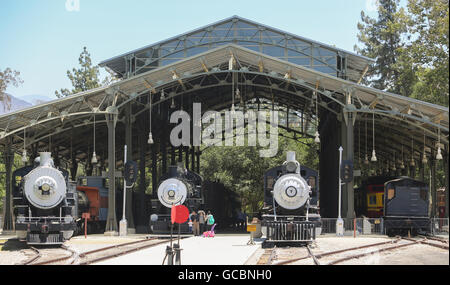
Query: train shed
{"points": [[233, 62]]}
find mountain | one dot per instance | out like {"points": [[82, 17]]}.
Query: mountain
{"points": [[15, 105], [36, 99]]}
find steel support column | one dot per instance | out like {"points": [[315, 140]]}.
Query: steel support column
{"points": [[446, 179], [328, 164], [193, 158], [433, 163], [343, 140], [142, 223], [74, 169], [349, 156], [180, 154], [421, 171], [8, 223], [412, 172], [186, 153], [165, 137], [172, 156], [129, 143], [111, 222], [154, 173], [198, 160]]}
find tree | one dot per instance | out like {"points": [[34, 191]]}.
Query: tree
{"points": [[382, 39], [410, 48], [84, 78], [241, 169], [429, 49], [8, 77]]}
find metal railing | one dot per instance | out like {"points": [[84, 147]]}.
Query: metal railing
{"points": [[375, 226], [359, 226], [439, 226]]}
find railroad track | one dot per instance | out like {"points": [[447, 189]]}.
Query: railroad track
{"points": [[442, 240], [384, 247], [359, 255], [427, 240], [37, 255], [268, 257], [315, 257], [102, 254]]}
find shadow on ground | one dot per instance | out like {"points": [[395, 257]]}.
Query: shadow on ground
{"points": [[13, 245]]}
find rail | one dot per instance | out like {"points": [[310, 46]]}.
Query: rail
{"points": [[385, 246], [106, 253]]}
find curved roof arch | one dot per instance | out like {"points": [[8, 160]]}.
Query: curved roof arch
{"points": [[278, 81]]}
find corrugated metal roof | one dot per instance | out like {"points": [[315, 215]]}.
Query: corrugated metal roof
{"points": [[420, 114], [356, 63]]}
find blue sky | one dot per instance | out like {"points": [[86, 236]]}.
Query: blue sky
{"points": [[42, 39]]}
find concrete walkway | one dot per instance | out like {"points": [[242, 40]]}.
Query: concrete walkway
{"points": [[220, 250]]}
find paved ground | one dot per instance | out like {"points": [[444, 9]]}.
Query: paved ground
{"points": [[220, 250]]}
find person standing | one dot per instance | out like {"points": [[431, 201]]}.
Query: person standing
{"points": [[190, 225], [194, 219], [202, 221], [210, 220]]}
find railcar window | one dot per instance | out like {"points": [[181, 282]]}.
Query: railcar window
{"points": [[372, 199], [270, 182], [312, 181], [391, 193]]}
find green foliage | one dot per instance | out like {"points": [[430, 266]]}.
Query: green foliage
{"points": [[410, 48], [84, 78], [16, 165], [429, 49], [382, 40], [241, 169], [8, 77]]}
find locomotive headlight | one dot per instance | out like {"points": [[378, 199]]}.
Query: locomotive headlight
{"points": [[291, 191], [45, 187], [291, 166], [171, 194]]}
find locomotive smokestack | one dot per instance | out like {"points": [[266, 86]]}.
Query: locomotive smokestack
{"points": [[290, 156], [46, 159]]}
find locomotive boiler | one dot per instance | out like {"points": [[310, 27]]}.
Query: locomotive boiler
{"points": [[291, 204], [45, 203], [178, 187]]}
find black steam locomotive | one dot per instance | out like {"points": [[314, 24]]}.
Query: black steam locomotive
{"points": [[178, 187], [291, 199], [45, 203], [406, 207]]}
